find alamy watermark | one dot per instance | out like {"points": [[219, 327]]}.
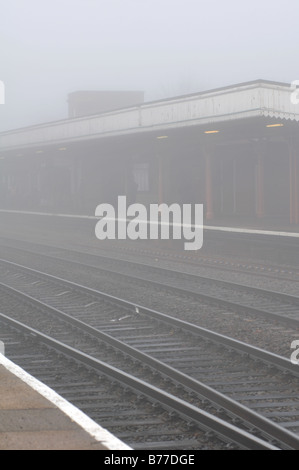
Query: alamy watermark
{"points": [[2, 92], [160, 221], [295, 354]]}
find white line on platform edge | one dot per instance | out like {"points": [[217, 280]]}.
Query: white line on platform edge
{"points": [[87, 424], [205, 227]]}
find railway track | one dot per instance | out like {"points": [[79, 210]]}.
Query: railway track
{"points": [[204, 356], [206, 284], [268, 303], [229, 263], [221, 263], [141, 414], [214, 263], [225, 302]]}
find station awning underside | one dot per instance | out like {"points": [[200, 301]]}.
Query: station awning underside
{"points": [[228, 114]]}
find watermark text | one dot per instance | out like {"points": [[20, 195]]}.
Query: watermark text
{"points": [[160, 221], [295, 354]]}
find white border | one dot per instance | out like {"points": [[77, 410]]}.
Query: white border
{"points": [[87, 424]]}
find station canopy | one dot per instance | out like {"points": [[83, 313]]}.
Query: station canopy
{"points": [[257, 109]]}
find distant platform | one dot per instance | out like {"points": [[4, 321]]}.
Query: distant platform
{"points": [[244, 226], [34, 417]]}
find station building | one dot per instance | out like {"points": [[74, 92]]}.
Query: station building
{"points": [[234, 149]]}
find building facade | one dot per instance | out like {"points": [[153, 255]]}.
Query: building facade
{"points": [[233, 149]]}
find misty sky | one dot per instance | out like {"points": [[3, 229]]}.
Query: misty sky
{"points": [[49, 48]]}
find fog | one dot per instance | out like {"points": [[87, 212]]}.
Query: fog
{"points": [[162, 47]]}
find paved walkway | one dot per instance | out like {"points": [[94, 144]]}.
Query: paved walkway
{"points": [[33, 417]]}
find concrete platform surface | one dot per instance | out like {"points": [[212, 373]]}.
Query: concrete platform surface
{"points": [[34, 417]]}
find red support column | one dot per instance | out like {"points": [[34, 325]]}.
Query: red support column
{"points": [[295, 187], [161, 180], [291, 185], [209, 187], [294, 180], [260, 197], [259, 149]]}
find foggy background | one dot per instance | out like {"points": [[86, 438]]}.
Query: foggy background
{"points": [[162, 47]]}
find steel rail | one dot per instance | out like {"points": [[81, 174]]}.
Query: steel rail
{"points": [[252, 351], [221, 265], [154, 394], [264, 425], [197, 295]]}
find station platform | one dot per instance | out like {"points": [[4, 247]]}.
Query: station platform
{"points": [[34, 417], [266, 226], [249, 241]]}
